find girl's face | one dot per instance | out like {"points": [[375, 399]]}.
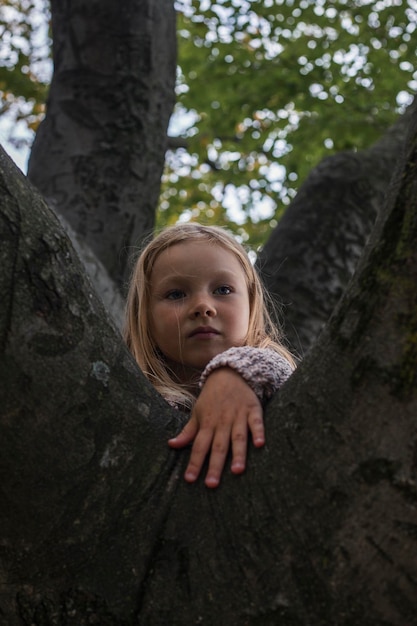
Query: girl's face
{"points": [[199, 305]]}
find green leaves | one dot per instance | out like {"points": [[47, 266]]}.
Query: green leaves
{"points": [[281, 84], [266, 89], [24, 67]]}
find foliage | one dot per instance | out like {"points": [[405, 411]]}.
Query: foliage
{"points": [[25, 67], [266, 89], [271, 88]]}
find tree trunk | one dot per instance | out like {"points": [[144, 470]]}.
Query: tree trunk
{"points": [[311, 255], [99, 153], [97, 524]]}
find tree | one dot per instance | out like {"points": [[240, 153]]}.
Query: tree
{"points": [[97, 525], [99, 153]]}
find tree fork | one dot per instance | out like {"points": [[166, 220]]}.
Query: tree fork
{"points": [[97, 522]]}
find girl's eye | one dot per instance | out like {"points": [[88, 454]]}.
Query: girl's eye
{"points": [[223, 290], [175, 294]]}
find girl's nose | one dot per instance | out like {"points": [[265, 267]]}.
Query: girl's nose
{"points": [[203, 308]]}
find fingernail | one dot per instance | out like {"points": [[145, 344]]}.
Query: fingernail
{"points": [[211, 481]]}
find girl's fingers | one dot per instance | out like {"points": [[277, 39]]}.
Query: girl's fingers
{"points": [[239, 442], [199, 452], [213, 433], [256, 426], [216, 442], [219, 450], [186, 436]]}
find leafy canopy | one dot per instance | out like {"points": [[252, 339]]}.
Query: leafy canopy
{"points": [[269, 88], [25, 68], [266, 89]]}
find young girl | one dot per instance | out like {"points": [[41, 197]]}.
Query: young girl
{"points": [[199, 329]]}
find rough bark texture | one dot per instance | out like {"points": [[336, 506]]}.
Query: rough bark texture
{"points": [[98, 526], [74, 409], [98, 155], [311, 255]]}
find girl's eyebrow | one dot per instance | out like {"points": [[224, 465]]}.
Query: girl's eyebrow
{"points": [[173, 277], [222, 274]]}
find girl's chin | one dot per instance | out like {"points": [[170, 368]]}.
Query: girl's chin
{"points": [[186, 373], [191, 366]]}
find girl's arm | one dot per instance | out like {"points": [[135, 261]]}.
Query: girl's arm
{"points": [[262, 369], [234, 384]]}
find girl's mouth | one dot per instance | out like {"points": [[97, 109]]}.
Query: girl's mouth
{"points": [[204, 332]]}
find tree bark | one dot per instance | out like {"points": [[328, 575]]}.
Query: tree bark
{"points": [[97, 524], [311, 255], [74, 409], [99, 153]]}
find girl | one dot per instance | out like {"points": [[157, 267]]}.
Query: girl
{"points": [[197, 325]]}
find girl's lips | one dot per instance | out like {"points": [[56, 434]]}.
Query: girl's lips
{"points": [[204, 331]]}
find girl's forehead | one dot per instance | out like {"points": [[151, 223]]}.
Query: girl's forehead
{"points": [[195, 249], [196, 256]]}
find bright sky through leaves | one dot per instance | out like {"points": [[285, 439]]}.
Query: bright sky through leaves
{"points": [[266, 89]]}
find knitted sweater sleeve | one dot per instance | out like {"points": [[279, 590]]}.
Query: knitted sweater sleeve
{"points": [[264, 370]]}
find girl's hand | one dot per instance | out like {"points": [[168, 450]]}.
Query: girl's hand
{"points": [[225, 409]]}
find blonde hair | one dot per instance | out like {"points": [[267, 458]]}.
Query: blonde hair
{"points": [[262, 332]]}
